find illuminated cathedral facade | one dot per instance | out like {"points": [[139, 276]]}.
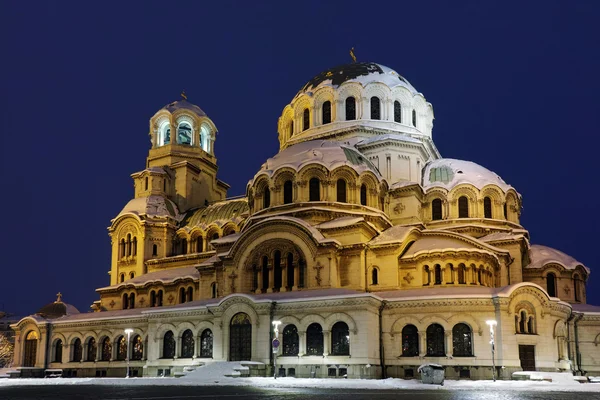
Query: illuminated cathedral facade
{"points": [[375, 253]]}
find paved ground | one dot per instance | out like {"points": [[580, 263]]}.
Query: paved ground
{"points": [[96, 392]]}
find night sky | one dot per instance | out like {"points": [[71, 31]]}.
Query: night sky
{"points": [[514, 88]]}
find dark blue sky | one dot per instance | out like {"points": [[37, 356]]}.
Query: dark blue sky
{"points": [[514, 87]]}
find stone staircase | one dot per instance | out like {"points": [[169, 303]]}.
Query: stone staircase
{"points": [[216, 370]]}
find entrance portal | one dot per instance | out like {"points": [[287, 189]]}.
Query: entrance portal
{"points": [[31, 341], [527, 357], [240, 338]]}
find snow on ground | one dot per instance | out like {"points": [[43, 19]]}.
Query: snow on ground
{"points": [[213, 375]]}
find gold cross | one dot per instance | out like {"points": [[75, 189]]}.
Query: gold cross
{"points": [[352, 55], [58, 297], [183, 95]]}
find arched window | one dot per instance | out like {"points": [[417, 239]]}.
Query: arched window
{"points": [[375, 277], [522, 322], [58, 348], [205, 138], [164, 134], [199, 244], [146, 185], [436, 209], [375, 108], [435, 341], [213, 290], [184, 134], [152, 298], [137, 348], [121, 348], [426, 275], [291, 128], [123, 248], [206, 343], [487, 207], [350, 108], [363, 194], [159, 298], [278, 279], [92, 349], [125, 301], [128, 244], [106, 349], [326, 112], [122, 278], [77, 350], [314, 340], [314, 189], [265, 273], [551, 284], [305, 119], [505, 208], [131, 300], [463, 207], [266, 198], [410, 341], [290, 270], [168, 345], [397, 112], [340, 339], [341, 190], [131, 275], [301, 273], [438, 274], [187, 344], [462, 273], [462, 345], [414, 118], [154, 250], [134, 246], [577, 287], [181, 295], [190, 294], [287, 192], [164, 185], [291, 341]]}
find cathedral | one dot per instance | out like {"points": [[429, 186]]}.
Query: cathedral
{"points": [[372, 252]]}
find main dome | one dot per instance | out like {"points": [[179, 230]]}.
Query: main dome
{"points": [[362, 72], [448, 173]]}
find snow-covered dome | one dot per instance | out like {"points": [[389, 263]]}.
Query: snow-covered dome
{"points": [[151, 206], [448, 173], [185, 105], [326, 153], [57, 309], [361, 72], [540, 256]]}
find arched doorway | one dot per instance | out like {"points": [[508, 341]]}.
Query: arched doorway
{"points": [[31, 341], [240, 338]]}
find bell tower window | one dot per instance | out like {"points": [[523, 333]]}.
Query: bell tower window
{"points": [[184, 134], [350, 109], [164, 134], [326, 112], [205, 139]]}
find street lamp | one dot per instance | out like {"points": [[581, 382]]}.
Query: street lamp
{"points": [[492, 323], [128, 331], [275, 344]]}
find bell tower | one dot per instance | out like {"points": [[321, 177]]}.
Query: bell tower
{"points": [[183, 139]]}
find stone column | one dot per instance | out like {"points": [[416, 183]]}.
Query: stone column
{"points": [[173, 132], [271, 278], [259, 279], [301, 343], [449, 344], [326, 343], [422, 343], [177, 346], [283, 271], [296, 275]]}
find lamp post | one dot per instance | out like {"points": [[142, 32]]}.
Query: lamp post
{"points": [[492, 323], [128, 331], [275, 344]]}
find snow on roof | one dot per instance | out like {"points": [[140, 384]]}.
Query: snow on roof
{"points": [[448, 173], [185, 105], [235, 210], [328, 153], [361, 72], [440, 243], [389, 136], [395, 234], [499, 236], [164, 276], [102, 315], [542, 255], [151, 206], [340, 222], [586, 308], [401, 184]]}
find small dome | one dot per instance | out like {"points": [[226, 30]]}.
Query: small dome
{"points": [[57, 309], [541, 255], [362, 72], [186, 105], [151, 206], [327, 153], [448, 173]]}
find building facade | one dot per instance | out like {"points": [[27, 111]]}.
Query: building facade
{"points": [[375, 253]]}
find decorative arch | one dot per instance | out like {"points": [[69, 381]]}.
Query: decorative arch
{"points": [[311, 319], [183, 326], [436, 319], [467, 320], [336, 317]]}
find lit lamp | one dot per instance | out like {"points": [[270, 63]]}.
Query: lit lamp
{"points": [[128, 331], [275, 344], [492, 323]]}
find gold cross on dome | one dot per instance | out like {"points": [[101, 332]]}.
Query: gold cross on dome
{"points": [[183, 95], [352, 55], [58, 297]]}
